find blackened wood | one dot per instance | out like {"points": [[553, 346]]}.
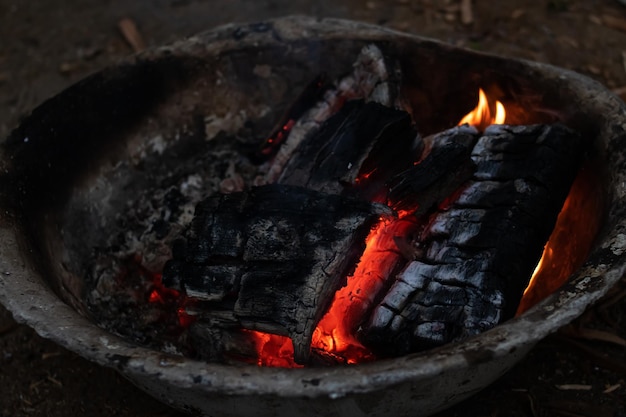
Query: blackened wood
{"points": [[373, 78], [479, 252], [276, 254], [280, 268], [366, 139], [446, 166], [311, 94]]}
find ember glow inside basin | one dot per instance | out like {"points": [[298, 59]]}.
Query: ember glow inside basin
{"points": [[70, 170]]}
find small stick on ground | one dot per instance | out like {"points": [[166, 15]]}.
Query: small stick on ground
{"points": [[48, 355], [574, 387], [594, 335], [131, 34], [467, 14]]}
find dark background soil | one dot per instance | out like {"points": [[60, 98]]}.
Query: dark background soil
{"points": [[47, 45]]}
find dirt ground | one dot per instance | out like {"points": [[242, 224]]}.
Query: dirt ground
{"points": [[46, 46]]}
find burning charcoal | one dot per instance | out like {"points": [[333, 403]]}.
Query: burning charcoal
{"points": [[481, 250], [274, 255], [443, 170], [361, 137], [311, 94], [372, 78]]}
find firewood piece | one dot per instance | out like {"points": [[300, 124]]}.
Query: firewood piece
{"points": [[276, 255], [311, 94], [443, 170], [481, 250], [373, 79], [360, 137]]}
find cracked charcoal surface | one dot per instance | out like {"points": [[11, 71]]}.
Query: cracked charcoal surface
{"points": [[361, 137], [372, 78], [278, 269], [444, 169], [275, 255], [480, 251]]}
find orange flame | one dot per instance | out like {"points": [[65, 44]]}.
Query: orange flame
{"points": [[167, 296], [570, 241], [481, 116]]}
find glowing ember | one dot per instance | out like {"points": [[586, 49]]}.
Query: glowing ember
{"points": [[481, 116], [565, 251], [335, 334], [278, 137], [336, 331], [273, 350], [171, 298]]}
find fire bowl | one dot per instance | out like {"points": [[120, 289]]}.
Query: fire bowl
{"points": [[68, 172]]}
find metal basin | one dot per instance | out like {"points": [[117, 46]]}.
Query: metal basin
{"points": [[243, 77]]}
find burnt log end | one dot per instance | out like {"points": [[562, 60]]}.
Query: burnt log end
{"points": [[481, 249], [275, 254]]}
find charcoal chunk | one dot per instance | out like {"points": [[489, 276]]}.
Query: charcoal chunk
{"points": [[275, 254], [362, 138], [481, 249], [444, 169]]}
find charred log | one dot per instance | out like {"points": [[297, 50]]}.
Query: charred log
{"points": [[442, 171], [312, 93], [277, 270], [480, 251], [372, 79], [366, 139], [275, 256], [477, 210]]}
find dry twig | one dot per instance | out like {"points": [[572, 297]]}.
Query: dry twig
{"points": [[517, 13], [467, 14], [48, 355], [55, 381], [593, 334], [532, 404], [612, 388], [574, 387], [131, 34]]}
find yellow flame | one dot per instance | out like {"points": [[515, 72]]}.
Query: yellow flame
{"points": [[500, 114], [547, 253], [481, 116]]}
